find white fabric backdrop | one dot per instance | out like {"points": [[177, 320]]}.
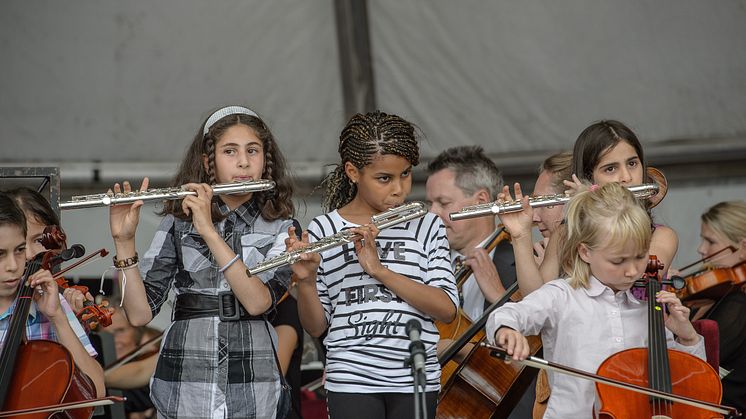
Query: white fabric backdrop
{"points": [[130, 81]]}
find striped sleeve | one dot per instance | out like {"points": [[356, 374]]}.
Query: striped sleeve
{"points": [[319, 228], [440, 271], [77, 328]]}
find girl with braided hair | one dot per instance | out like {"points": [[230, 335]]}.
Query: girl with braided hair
{"points": [[217, 358], [363, 293]]}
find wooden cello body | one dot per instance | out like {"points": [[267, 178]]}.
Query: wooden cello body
{"points": [[40, 372], [461, 323], [690, 377], [48, 376], [479, 387]]}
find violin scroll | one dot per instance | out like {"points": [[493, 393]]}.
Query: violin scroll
{"points": [[53, 238]]}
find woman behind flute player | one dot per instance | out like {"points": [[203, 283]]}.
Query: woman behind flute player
{"points": [[217, 357], [366, 291], [723, 225]]}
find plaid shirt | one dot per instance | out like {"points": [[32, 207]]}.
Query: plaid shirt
{"points": [[209, 368], [39, 327]]}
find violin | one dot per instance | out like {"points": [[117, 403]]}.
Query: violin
{"points": [[739, 274], [143, 351], [41, 372], [656, 176], [712, 283], [91, 315], [709, 284]]}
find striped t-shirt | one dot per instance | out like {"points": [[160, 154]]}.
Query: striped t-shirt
{"points": [[366, 340]]}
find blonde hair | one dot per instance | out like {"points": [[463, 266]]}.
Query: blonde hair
{"points": [[560, 167], [728, 219], [608, 215]]}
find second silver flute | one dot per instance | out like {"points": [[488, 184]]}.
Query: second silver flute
{"points": [[400, 214], [643, 191], [162, 194]]}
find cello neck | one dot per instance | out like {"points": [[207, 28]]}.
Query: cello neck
{"points": [[493, 240], [456, 346], [16, 331], [659, 369]]}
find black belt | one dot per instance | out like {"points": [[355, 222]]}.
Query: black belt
{"points": [[225, 306]]}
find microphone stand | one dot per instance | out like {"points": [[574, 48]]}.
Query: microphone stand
{"points": [[420, 382]]}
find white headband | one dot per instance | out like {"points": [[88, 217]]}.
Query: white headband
{"points": [[228, 110]]}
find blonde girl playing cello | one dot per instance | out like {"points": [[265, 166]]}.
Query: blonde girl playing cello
{"points": [[592, 314]]}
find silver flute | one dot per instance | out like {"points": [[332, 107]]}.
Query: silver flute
{"points": [[643, 191], [162, 194], [388, 218]]}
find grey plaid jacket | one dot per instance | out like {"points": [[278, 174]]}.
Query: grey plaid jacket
{"points": [[208, 368]]}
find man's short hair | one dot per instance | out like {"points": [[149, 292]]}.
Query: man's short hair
{"points": [[472, 168]]}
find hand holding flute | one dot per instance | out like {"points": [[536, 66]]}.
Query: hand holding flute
{"points": [[363, 237], [123, 219], [307, 263]]}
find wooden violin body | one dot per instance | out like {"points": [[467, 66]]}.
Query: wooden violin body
{"points": [[708, 284], [713, 283]]}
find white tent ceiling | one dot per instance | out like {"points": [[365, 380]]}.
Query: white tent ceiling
{"points": [[120, 82]]}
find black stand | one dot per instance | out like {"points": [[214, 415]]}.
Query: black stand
{"points": [[420, 381]]}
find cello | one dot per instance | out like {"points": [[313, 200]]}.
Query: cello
{"points": [[479, 387], [657, 382], [668, 370], [461, 323], [41, 375]]}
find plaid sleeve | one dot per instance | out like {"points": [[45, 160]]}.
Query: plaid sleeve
{"points": [[77, 327], [159, 265], [279, 283]]}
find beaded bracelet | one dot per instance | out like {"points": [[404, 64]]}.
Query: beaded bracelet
{"points": [[228, 265], [126, 263]]}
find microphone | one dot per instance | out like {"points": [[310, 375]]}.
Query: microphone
{"points": [[416, 347]]}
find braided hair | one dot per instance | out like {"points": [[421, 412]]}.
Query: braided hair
{"points": [[361, 139], [274, 204]]}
